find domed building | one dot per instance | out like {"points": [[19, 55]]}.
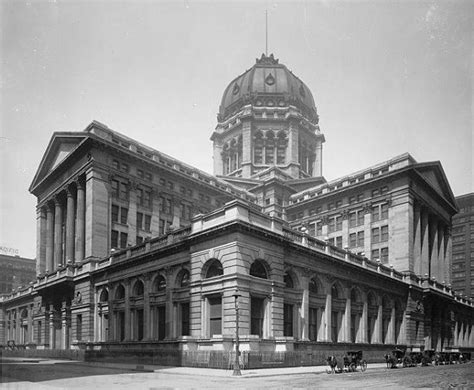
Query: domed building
{"points": [[144, 258], [267, 119]]}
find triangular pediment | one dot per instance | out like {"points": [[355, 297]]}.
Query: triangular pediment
{"points": [[434, 175], [60, 146]]}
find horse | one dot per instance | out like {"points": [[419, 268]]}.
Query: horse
{"points": [[391, 361], [332, 363]]}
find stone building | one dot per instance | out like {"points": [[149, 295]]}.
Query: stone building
{"points": [[15, 272], [140, 253], [462, 277]]}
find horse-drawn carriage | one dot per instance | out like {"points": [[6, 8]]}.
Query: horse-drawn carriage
{"points": [[396, 357], [349, 362]]}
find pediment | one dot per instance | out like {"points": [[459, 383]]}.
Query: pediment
{"points": [[60, 146], [434, 174]]}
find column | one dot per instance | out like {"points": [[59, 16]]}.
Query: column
{"points": [[49, 238], [52, 338], [70, 226], [146, 308], [425, 250], [441, 259], [80, 221], [379, 324], [345, 230], [392, 327], [328, 312], [434, 248], [448, 255], [127, 316], [417, 241], [318, 160], [364, 321], [58, 226], [40, 240], [367, 232], [132, 213], [31, 332], [348, 319], [455, 335], [64, 327], [304, 332]]}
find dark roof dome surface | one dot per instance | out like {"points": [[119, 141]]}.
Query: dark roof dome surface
{"points": [[267, 83]]}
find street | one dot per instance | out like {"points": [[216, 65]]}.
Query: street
{"points": [[39, 374]]}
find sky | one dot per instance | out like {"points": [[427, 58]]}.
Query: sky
{"points": [[388, 77]]}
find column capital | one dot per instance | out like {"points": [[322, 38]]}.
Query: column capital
{"points": [[69, 192]]}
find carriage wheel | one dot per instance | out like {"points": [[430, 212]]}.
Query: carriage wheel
{"points": [[363, 365], [352, 367], [329, 370]]}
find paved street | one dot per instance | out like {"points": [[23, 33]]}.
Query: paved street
{"points": [[48, 374]]}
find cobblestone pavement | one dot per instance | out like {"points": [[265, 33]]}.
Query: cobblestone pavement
{"points": [[40, 375]]}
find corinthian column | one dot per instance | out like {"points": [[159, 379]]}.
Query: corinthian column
{"points": [[49, 238], [80, 221], [70, 226], [58, 226]]}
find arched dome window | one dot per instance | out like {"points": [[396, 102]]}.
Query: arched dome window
{"points": [[258, 270], [104, 296], [214, 268], [288, 281], [120, 292], [159, 284], [313, 286], [138, 289], [182, 280]]}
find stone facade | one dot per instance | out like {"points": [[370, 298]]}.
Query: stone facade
{"points": [[138, 252]]}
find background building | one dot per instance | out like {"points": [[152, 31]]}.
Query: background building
{"points": [[463, 246], [15, 271], [139, 253]]}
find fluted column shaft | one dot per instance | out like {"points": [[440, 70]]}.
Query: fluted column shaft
{"points": [[58, 236], [49, 238], [80, 222], [70, 227]]}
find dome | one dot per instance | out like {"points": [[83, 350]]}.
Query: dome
{"points": [[268, 83]]}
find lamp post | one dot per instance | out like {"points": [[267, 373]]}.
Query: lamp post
{"points": [[237, 352]]}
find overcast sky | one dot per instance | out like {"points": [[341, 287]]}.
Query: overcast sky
{"points": [[388, 77]]}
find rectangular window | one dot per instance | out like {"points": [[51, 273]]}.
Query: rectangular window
{"points": [[123, 215], [334, 326], [256, 316], [375, 254], [352, 219], [139, 196], [384, 211], [375, 235], [338, 223], [115, 213], [375, 213], [139, 220], [161, 313], [384, 255], [331, 225], [185, 319], [339, 241], [115, 164], [331, 241], [313, 324], [124, 167], [114, 239], [319, 228], [215, 316], [146, 198], [79, 327], [384, 233], [147, 222], [360, 218], [287, 320], [139, 173], [352, 240], [312, 229], [139, 240], [123, 239], [360, 238]]}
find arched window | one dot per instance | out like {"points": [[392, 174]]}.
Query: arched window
{"points": [[182, 279], [282, 142], [258, 269], [258, 149], [214, 268], [334, 292], [120, 292], [355, 297], [270, 148], [138, 289], [104, 296], [313, 286], [159, 284], [288, 281]]}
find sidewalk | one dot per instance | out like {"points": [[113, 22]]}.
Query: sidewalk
{"points": [[195, 371]]}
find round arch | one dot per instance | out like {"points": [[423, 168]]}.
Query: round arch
{"points": [[259, 269], [183, 278], [120, 292], [212, 268], [138, 288], [159, 283]]}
